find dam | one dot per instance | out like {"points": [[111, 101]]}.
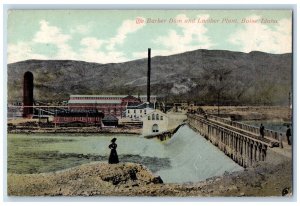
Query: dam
{"points": [[242, 143]]}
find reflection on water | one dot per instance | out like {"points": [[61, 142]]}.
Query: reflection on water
{"points": [[39, 162], [187, 157], [48, 152]]}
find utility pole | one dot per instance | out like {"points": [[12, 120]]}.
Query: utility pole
{"points": [[149, 75], [289, 107], [218, 103]]}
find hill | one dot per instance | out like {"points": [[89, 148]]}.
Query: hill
{"points": [[203, 76]]}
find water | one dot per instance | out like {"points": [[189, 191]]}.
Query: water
{"points": [[187, 157], [193, 158]]}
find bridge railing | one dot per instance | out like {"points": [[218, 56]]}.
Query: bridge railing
{"points": [[272, 134]]}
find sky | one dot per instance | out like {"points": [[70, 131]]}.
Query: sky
{"points": [[111, 36]]}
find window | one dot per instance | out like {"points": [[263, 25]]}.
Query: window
{"points": [[145, 111], [128, 111], [153, 116], [133, 111], [149, 118], [157, 116], [141, 111], [155, 128], [161, 118]]}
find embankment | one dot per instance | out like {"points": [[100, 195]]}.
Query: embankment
{"points": [[128, 179], [106, 130]]}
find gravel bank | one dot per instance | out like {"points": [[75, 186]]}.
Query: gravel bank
{"points": [[129, 179]]}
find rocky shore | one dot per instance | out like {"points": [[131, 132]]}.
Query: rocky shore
{"points": [[130, 179], [91, 130]]}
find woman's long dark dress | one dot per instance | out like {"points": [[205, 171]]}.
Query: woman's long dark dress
{"points": [[113, 157]]}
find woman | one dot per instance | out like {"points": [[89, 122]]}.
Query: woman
{"points": [[113, 157]]}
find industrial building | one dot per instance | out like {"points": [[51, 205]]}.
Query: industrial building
{"points": [[136, 111], [155, 122], [107, 104], [87, 117]]}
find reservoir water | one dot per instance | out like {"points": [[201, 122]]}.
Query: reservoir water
{"points": [[186, 157]]}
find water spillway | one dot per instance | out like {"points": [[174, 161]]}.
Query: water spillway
{"points": [[193, 158]]}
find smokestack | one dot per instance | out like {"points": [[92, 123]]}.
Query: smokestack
{"points": [[28, 94], [149, 74]]}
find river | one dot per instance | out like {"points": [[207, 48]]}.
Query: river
{"points": [[186, 157]]}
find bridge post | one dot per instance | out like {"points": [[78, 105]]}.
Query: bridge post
{"points": [[251, 153], [245, 152], [264, 152], [258, 152], [238, 148], [241, 149], [254, 151], [233, 147]]}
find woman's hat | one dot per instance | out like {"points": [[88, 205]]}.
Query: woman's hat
{"points": [[114, 139]]}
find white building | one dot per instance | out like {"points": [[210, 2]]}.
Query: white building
{"points": [[155, 122], [136, 111]]}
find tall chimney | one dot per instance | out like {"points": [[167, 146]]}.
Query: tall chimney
{"points": [[28, 94], [149, 74]]}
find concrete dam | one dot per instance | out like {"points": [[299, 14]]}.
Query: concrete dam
{"points": [[242, 143]]}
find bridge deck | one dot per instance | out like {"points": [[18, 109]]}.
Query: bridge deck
{"points": [[269, 141]]}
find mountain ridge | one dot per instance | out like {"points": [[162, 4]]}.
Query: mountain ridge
{"points": [[246, 78]]}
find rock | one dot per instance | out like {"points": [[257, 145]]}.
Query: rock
{"points": [[157, 180]]}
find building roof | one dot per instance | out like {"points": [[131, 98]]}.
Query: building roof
{"points": [[130, 97], [134, 105], [156, 111], [94, 101], [80, 113], [110, 117], [117, 96]]}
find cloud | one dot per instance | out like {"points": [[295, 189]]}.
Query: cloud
{"points": [[46, 34], [82, 29], [264, 37], [191, 37], [91, 42], [92, 52], [91, 47], [50, 35], [22, 51], [127, 27], [53, 35]]}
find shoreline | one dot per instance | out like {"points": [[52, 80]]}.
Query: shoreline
{"points": [[75, 130], [130, 179]]}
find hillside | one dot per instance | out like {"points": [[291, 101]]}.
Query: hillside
{"points": [[200, 75]]}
